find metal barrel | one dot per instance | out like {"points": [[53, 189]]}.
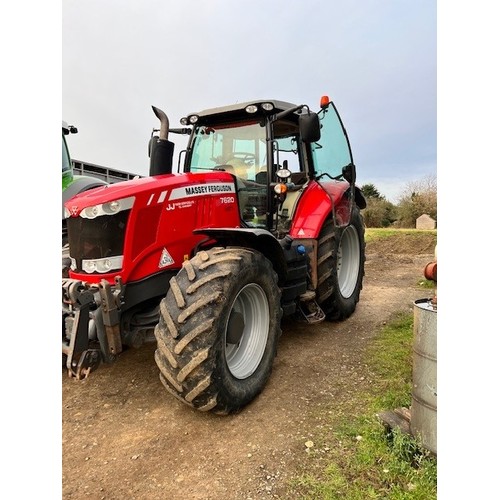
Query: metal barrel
{"points": [[424, 393]]}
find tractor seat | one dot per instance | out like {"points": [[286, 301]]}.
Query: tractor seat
{"points": [[237, 167]]}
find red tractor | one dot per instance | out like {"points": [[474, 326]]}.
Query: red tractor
{"points": [[263, 222]]}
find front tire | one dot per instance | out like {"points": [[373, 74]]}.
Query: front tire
{"points": [[341, 267], [218, 329]]}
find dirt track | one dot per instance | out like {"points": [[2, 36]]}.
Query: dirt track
{"points": [[124, 436]]}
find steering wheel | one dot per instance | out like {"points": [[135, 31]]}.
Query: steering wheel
{"points": [[242, 156]]}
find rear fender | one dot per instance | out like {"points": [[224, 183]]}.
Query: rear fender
{"points": [[359, 198]]}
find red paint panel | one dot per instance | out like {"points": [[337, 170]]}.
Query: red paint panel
{"points": [[315, 204], [166, 211]]}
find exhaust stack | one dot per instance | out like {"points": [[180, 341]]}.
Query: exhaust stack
{"points": [[161, 150]]}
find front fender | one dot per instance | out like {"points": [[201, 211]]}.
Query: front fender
{"points": [[258, 239], [320, 201]]}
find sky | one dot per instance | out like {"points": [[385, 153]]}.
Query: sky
{"points": [[375, 59]]}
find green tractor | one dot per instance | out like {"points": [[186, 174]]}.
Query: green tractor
{"points": [[72, 184]]}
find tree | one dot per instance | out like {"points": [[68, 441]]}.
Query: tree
{"points": [[370, 191], [418, 197], [378, 212]]}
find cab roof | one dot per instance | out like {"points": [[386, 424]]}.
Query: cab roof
{"points": [[240, 106], [237, 110]]}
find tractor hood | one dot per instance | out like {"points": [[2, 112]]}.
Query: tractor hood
{"points": [[149, 190]]}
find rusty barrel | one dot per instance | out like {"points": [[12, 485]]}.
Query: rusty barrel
{"points": [[424, 393]]}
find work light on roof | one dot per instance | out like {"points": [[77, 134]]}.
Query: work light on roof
{"points": [[267, 106], [193, 119], [251, 108]]}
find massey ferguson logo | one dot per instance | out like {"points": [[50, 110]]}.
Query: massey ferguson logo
{"points": [[201, 190], [74, 210]]}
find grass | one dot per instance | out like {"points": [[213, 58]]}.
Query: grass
{"points": [[366, 461], [425, 283], [375, 233]]}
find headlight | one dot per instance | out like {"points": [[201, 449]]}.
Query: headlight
{"points": [[104, 265], [113, 206], [283, 173], [91, 212], [108, 208], [67, 213]]}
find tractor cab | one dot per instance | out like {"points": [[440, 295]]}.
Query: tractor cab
{"points": [[273, 148]]}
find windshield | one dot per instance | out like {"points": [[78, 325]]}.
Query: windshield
{"points": [[238, 148], [66, 162]]}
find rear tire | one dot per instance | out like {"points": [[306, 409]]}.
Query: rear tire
{"points": [[341, 267], [218, 329]]}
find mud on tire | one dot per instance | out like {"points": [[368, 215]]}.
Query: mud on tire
{"points": [[218, 329], [341, 267]]}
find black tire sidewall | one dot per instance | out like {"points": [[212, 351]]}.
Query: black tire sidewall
{"points": [[347, 305], [343, 307]]}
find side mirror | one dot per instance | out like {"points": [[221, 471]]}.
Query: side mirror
{"points": [[349, 173], [309, 127]]}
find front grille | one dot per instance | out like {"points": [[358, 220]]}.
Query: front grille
{"points": [[96, 238], [64, 231]]}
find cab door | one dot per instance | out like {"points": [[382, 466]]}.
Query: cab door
{"points": [[332, 153]]}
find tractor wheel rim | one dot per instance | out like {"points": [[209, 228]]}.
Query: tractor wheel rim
{"points": [[244, 357], [348, 261]]}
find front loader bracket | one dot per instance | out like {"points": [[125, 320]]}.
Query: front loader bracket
{"points": [[80, 359], [111, 316]]}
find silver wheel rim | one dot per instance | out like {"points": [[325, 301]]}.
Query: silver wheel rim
{"points": [[244, 357], [348, 261]]}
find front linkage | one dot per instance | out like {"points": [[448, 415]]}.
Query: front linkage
{"points": [[91, 325]]}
